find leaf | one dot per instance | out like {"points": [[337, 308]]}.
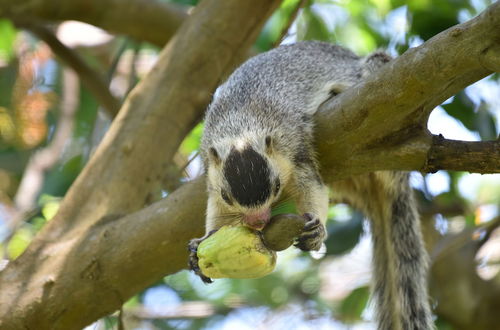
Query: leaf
{"points": [[8, 75], [192, 141], [312, 27], [343, 236], [484, 122], [353, 306], [86, 115], [8, 36], [60, 179], [19, 242], [462, 108], [50, 209]]}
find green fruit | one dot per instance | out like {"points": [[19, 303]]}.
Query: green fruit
{"points": [[235, 252], [282, 230]]}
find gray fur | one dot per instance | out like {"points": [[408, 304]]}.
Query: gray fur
{"points": [[266, 96], [275, 95]]}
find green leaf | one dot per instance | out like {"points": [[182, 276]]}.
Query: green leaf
{"points": [[50, 209], [484, 122], [192, 141], [8, 35], [353, 306], [19, 242], [462, 109], [86, 115], [343, 236], [8, 75], [60, 179], [312, 27]]}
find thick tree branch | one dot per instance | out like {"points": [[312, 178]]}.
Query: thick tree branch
{"points": [[153, 20], [142, 140], [381, 123], [105, 259], [90, 78]]}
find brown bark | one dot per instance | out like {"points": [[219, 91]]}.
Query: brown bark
{"points": [[42, 289]]}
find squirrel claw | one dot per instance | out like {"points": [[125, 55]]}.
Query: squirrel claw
{"points": [[193, 257], [312, 235]]}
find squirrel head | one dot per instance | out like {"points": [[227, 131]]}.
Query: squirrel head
{"points": [[246, 178]]}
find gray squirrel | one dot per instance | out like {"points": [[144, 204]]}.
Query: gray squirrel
{"points": [[257, 150]]}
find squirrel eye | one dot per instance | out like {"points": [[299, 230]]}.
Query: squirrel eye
{"points": [[277, 186], [225, 197]]}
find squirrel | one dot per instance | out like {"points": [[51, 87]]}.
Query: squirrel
{"points": [[257, 151]]}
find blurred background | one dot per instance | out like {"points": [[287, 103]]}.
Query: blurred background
{"points": [[52, 119]]}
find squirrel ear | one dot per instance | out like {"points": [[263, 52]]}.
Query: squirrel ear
{"points": [[269, 144], [213, 155], [374, 61]]}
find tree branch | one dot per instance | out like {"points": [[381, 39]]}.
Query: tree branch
{"points": [[90, 78], [464, 299], [478, 157], [154, 21], [380, 124], [148, 130], [46, 158]]}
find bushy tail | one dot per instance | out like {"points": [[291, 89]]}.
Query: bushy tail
{"points": [[400, 259]]}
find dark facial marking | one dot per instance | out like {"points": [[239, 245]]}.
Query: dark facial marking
{"points": [[247, 173]]}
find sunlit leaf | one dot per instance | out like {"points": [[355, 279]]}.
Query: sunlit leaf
{"points": [[8, 35], [50, 209], [192, 141], [19, 242]]}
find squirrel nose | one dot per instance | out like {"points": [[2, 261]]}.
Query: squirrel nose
{"points": [[257, 220]]}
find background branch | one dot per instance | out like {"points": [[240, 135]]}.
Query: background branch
{"points": [[469, 302], [154, 21], [90, 78], [478, 157], [46, 158]]}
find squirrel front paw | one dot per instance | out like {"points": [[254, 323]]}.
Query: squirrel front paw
{"points": [[312, 235], [193, 258]]}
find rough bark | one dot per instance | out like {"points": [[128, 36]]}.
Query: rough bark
{"points": [[89, 259], [38, 289]]}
